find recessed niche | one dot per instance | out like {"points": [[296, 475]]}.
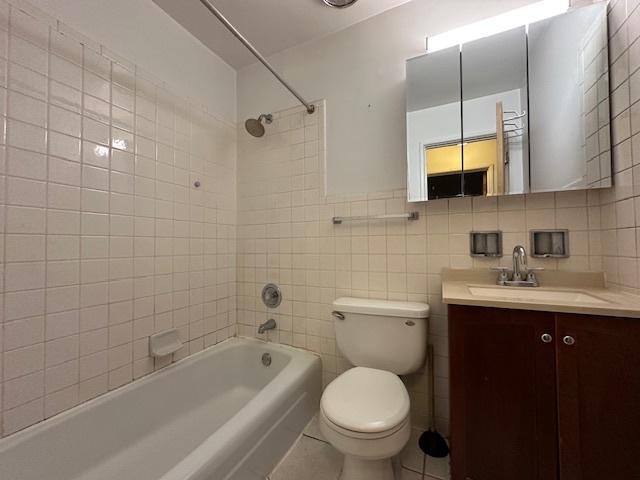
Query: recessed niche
{"points": [[485, 244], [550, 243]]}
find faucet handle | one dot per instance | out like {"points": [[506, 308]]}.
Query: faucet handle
{"points": [[531, 275], [503, 276]]}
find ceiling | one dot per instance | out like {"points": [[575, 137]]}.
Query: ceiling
{"points": [[271, 25]]}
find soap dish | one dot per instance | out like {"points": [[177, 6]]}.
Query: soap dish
{"points": [[164, 343], [550, 243], [485, 244]]}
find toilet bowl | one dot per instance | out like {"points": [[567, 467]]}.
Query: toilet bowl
{"points": [[364, 413]]}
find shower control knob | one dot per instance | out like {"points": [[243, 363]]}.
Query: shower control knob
{"points": [[546, 338], [271, 295]]}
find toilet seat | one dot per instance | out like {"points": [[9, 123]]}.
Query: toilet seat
{"points": [[366, 403], [361, 435], [366, 446]]}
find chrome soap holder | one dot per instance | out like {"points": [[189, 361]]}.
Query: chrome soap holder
{"points": [[485, 244], [549, 243]]}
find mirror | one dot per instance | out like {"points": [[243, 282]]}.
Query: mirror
{"points": [[521, 111], [434, 126], [569, 94], [494, 109]]}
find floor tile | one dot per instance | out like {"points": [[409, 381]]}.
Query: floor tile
{"points": [[313, 429], [310, 459], [410, 475], [412, 458]]}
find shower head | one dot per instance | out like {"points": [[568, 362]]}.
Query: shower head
{"points": [[255, 127], [339, 3]]}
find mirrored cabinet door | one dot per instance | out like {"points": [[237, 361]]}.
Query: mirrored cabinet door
{"points": [[569, 97], [434, 128], [494, 114]]}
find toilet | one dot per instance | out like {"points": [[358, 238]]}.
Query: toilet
{"points": [[364, 413]]}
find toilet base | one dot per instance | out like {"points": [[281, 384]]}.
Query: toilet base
{"points": [[355, 468]]}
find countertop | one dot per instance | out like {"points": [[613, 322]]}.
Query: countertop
{"points": [[617, 303]]}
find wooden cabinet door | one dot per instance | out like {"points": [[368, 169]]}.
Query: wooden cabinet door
{"points": [[598, 397], [503, 394]]}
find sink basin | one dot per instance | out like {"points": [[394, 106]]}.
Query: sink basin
{"points": [[535, 294]]}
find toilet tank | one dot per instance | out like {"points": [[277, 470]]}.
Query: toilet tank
{"points": [[382, 334]]}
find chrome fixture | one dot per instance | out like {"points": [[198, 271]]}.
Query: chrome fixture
{"points": [[339, 3], [338, 315], [271, 295], [209, 6], [569, 340], [519, 262], [409, 216], [254, 125], [266, 359], [268, 325], [546, 338], [521, 275]]}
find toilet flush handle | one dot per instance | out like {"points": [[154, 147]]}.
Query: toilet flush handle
{"points": [[338, 315]]}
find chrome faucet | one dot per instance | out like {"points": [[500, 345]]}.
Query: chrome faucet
{"points": [[521, 275], [520, 269], [268, 325]]}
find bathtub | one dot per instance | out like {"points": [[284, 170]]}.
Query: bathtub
{"points": [[217, 415]]}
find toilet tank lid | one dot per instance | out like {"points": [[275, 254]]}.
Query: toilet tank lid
{"points": [[391, 308]]}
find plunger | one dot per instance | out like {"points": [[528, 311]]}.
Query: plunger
{"points": [[431, 442]]}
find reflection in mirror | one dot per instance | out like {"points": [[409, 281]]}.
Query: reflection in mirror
{"points": [[494, 109], [569, 96], [434, 126]]}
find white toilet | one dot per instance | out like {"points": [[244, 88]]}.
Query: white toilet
{"points": [[364, 413]]}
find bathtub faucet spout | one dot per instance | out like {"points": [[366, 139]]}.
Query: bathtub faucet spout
{"points": [[268, 325]]}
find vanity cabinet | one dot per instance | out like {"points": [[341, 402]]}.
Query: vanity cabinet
{"points": [[543, 396]]}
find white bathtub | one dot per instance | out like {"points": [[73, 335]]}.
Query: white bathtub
{"points": [[218, 415]]}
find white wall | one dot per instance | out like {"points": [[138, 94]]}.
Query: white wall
{"points": [[165, 49], [360, 71]]}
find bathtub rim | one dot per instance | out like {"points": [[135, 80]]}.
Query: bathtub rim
{"points": [[15, 438]]}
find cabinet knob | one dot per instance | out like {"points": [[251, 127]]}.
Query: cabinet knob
{"points": [[569, 340], [546, 338]]}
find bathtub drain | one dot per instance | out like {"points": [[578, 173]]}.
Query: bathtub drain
{"points": [[266, 359]]}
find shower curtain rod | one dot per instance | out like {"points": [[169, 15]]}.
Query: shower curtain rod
{"points": [[310, 107]]}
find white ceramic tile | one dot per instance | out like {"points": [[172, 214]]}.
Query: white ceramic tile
{"points": [[27, 109], [24, 332], [28, 55], [24, 192], [26, 136], [23, 361], [27, 81], [66, 72]]}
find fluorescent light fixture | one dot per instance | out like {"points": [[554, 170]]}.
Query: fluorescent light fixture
{"points": [[500, 23]]}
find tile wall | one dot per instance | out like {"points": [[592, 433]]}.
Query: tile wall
{"points": [[285, 235], [621, 204], [104, 239]]}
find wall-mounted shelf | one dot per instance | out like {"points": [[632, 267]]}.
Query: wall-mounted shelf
{"points": [[485, 244], [409, 216], [164, 343], [550, 243]]}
